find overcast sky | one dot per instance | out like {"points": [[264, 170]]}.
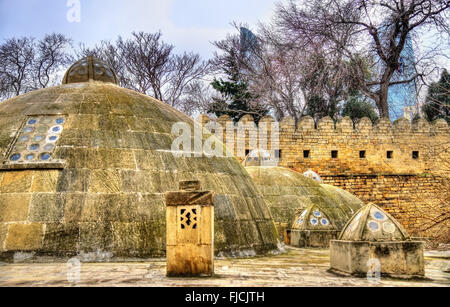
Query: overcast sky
{"points": [[188, 24]]}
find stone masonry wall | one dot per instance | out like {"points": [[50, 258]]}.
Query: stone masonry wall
{"points": [[404, 168], [415, 201], [362, 149]]}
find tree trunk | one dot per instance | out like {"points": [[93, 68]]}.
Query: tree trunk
{"points": [[382, 103]]}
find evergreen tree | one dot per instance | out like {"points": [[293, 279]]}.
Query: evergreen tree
{"points": [[437, 104], [235, 101], [356, 107], [318, 107]]}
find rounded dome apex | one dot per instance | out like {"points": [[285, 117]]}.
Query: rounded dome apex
{"points": [[90, 68], [260, 157], [371, 223]]}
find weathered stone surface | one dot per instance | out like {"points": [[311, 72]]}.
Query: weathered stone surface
{"points": [[16, 182], [3, 234], [24, 237], [61, 239], [45, 180], [190, 231], [376, 169], [95, 236], [116, 164], [104, 181], [14, 207], [398, 259], [194, 198], [139, 239], [73, 180], [308, 238], [46, 208], [288, 192]]}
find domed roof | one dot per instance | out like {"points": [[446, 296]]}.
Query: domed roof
{"points": [[286, 192], [260, 157], [313, 218], [371, 223], [313, 175], [100, 185], [90, 68]]}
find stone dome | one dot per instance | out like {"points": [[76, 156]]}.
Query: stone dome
{"points": [[90, 68], [313, 175], [260, 157], [314, 218], [287, 192], [371, 223], [85, 168]]}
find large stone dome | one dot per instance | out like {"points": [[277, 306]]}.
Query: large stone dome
{"points": [[288, 193], [85, 168]]}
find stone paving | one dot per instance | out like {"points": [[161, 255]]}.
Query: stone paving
{"points": [[296, 267]]}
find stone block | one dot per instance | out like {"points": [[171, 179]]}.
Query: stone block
{"points": [[46, 208], [73, 180], [14, 207], [193, 198], [16, 182], [73, 206], [45, 180], [24, 237], [190, 231], [3, 235], [397, 259], [61, 239], [104, 181], [95, 237], [315, 239]]}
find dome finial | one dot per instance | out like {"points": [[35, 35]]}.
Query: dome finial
{"points": [[90, 69]]}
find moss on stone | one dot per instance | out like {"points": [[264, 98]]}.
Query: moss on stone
{"points": [[117, 164]]}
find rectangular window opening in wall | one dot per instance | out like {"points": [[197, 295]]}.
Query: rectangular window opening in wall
{"points": [[278, 154], [390, 154], [306, 154], [334, 154], [415, 155], [247, 152], [362, 154]]}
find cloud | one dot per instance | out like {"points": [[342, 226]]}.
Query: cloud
{"points": [[188, 24]]}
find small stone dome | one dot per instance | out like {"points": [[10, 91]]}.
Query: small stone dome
{"points": [[313, 218], [287, 191], [313, 175], [90, 68], [260, 157], [371, 223]]}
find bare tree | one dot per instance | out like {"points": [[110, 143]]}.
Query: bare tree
{"points": [[357, 29], [281, 71], [147, 64], [153, 69], [51, 56], [16, 60], [196, 99], [113, 55], [188, 70], [148, 61]]}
